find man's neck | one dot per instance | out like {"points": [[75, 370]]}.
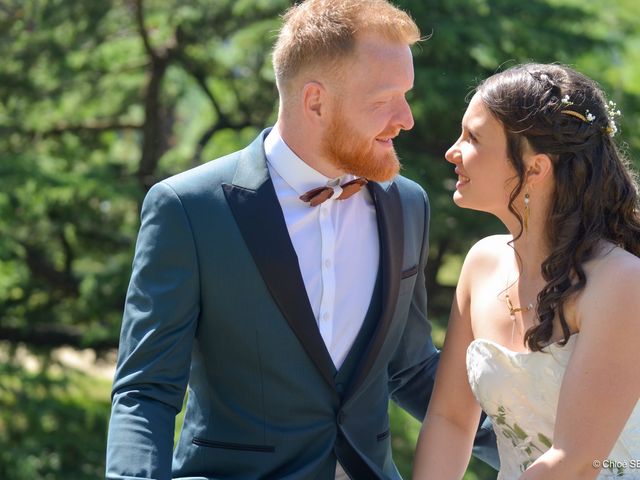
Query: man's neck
{"points": [[306, 145]]}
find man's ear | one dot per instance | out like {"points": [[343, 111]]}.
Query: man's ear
{"points": [[314, 101], [539, 168]]}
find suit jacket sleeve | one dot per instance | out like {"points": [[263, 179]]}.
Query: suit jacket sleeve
{"points": [[412, 373], [412, 370], [158, 329]]}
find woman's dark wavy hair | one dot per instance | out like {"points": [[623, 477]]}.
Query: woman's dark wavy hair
{"points": [[596, 193]]}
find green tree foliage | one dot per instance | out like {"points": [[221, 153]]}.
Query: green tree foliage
{"points": [[52, 423], [468, 41], [101, 99]]}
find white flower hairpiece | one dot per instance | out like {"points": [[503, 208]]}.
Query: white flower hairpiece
{"points": [[565, 100], [589, 118], [612, 113]]}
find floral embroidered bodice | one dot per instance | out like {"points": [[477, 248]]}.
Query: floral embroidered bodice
{"points": [[520, 391]]}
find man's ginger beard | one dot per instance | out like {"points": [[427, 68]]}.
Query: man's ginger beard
{"points": [[355, 154]]}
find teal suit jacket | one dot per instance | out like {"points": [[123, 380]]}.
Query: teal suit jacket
{"points": [[216, 304]]}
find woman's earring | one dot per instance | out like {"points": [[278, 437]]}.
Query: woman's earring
{"points": [[527, 211]]}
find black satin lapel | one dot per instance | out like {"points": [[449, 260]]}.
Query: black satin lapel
{"points": [[259, 217], [391, 233]]}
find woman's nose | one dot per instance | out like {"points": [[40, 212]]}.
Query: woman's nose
{"points": [[453, 154]]}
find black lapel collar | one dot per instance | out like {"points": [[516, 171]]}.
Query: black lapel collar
{"points": [[391, 233], [257, 211]]}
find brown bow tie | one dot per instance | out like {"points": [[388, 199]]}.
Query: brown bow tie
{"points": [[318, 195]]}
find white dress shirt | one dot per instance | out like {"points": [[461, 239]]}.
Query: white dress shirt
{"points": [[336, 243]]}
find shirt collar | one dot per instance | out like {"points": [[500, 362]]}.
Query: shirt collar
{"points": [[293, 170]]}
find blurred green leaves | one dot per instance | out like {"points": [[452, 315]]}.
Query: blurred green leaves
{"points": [[99, 100], [52, 422]]}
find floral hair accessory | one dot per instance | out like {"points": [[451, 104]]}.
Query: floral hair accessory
{"points": [[565, 100], [590, 117], [612, 113], [587, 118]]}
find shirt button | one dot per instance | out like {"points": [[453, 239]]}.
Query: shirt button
{"points": [[325, 316], [327, 263]]}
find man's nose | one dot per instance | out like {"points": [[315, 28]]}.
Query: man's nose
{"points": [[405, 117]]}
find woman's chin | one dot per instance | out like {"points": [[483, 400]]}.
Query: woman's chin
{"points": [[458, 199], [465, 203]]}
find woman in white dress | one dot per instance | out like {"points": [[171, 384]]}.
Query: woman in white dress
{"points": [[544, 332]]}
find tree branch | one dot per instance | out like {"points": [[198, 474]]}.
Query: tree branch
{"points": [[157, 117], [209, 133], [154, 142], [223, 121], [435, 262], [94, 127], [200, 77], [68, 254], [138, 8], [52, 336], [42, 269]]}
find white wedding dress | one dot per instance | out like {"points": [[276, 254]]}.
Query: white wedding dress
{"points": [[520, 391]]}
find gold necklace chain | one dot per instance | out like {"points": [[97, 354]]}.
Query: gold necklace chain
{"points": [[513, 309], [512, 314]]}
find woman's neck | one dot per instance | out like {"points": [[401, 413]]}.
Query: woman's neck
{"points": [[531, 252], [531, 241]]}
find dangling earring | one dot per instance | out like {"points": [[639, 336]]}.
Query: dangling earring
{"points": [[527, 211]]}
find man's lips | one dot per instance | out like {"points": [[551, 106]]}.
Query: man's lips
{"points": [[385, 141], [387, 138]]}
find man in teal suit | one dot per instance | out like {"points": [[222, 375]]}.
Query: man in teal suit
{"points": [[287, 298]]}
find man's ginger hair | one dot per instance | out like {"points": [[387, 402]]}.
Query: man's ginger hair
{"points": [[320, 34]]}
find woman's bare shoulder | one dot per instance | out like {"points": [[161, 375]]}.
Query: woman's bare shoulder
{"points": [[613, 286], [613, 265], [489, 249], [485, 255]]}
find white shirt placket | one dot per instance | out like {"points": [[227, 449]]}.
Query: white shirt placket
{"points": [[327, 300]]}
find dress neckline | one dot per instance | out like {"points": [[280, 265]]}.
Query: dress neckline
{"points": [[508, 351]]}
